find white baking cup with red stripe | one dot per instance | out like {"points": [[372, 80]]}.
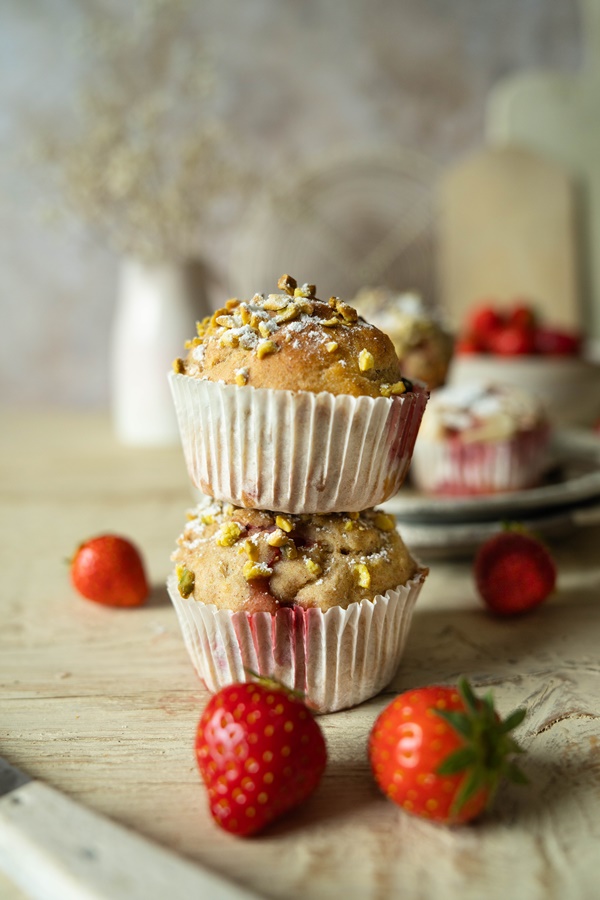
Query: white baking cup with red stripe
{"points": [[295, 452], [455, 467], [337, 658]]}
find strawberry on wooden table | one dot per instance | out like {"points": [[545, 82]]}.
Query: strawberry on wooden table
{"points": [[260, 753], [514, 572], [109, 569], [440, 752]]}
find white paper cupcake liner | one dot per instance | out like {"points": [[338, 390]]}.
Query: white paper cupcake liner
{"points": [[337, 658], [295, 452], [457, 468]]}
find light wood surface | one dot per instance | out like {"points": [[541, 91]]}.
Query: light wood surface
{"points": [[103, 704], [507, 231]]}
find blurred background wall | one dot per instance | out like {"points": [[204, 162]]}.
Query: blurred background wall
{"points": [[292, 79]]}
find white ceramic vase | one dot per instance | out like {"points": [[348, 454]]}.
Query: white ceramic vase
{"points": [[155, 314]]}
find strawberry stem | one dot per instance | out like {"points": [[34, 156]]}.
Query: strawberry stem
{"points": [[486, 756]]}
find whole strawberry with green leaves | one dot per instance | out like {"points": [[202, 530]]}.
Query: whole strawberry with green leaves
{"points": [[260, 752], [440, 752]]}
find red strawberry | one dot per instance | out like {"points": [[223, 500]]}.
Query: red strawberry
{"points": [[484, 320], [514, 572], [260, 753], [440, 752], [469, 343], [522, 316], [512, 341], [109, 570], [554, 342]]}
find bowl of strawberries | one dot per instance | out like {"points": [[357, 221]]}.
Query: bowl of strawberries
{"points": [[515, 345]]}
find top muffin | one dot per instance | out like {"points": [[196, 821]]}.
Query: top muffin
{"points": [[293, 341], [424, 346]]}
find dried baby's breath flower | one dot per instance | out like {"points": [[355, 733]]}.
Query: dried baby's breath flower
{"points": [[147, 170]]}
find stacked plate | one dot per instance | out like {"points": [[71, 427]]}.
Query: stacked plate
{"points": [[453, 526]]}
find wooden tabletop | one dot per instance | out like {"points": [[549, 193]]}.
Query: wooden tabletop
{"points": [[103, 703]]}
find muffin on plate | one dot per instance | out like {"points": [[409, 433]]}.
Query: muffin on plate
{"points": [[323, 603], [481, 439], [287, 402], [423, 344]]}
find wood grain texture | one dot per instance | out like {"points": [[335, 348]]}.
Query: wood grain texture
{"points": [[103, 704]]}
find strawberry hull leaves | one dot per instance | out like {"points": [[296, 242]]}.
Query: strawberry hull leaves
{"points": [[440, 752]]}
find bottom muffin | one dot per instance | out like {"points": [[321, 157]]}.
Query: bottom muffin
{"points": [[321, 603]]}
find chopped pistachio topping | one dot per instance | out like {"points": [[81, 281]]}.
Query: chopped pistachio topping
{"points": [[229, 339], [275, 302], [241, 378], [385, 390], [203, 325], [252, 570], [366, 361], [228, 534], [277, 539], [363, 576], [330, 346], [244, 314], [313, 567], [348, 525], [307, 290], [331, 323], [289, 550], [288, 284], [284, 523], [185, 581], [207, 519], [347, 312], [398, 388], [190, 516], [353, 515], [226, 321], [231, 304], [263, 329], [178, 366], [385, 522], [250, 549], [288, 314], [263, 348]]}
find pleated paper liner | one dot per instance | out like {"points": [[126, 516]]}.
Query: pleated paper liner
{"points": [[337, 658], [295, 452], [454, 467]]}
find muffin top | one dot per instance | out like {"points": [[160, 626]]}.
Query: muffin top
{"points": [[250, 560], [480, 412], [423, 344], [293, 341]]}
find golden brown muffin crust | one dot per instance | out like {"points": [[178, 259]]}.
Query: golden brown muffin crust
{"points": [[294, 341], [251, 560]]}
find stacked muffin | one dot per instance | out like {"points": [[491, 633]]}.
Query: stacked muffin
{"points": [[296, 420], [423, 342]]}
